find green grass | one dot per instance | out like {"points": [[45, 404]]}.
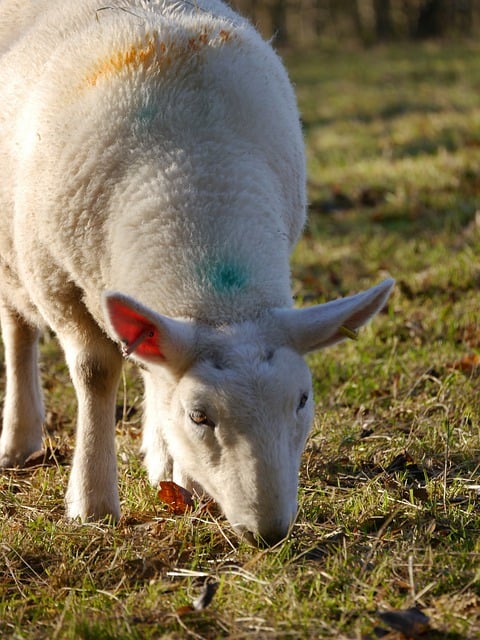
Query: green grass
{"points": [[389, 505]]}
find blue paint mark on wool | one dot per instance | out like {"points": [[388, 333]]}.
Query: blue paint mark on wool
{"points": [[147, 114], [225, 276]]}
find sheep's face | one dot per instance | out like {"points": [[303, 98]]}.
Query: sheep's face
{"points": [[229, 409], [236, 424]]}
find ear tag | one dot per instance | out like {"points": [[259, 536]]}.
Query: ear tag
{"points": [[128, 349], [348, 333]]}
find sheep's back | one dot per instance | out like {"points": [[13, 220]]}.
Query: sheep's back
{"points": [[149, 135]]}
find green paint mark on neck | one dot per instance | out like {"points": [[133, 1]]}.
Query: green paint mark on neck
{"points": [[225, 276]]}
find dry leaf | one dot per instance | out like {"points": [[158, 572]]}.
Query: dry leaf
{"points": [[185, 610], [177, 499], [468, 363], [46, 457], [411, 622]]}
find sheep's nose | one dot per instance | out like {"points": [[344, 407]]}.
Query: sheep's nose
{"points": [[264, 539], [272, 538]]}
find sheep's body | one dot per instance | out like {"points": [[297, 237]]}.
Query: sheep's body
{"points": [[151, 148], [119, 117]]}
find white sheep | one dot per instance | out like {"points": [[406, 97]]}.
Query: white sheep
{"points": [[153, 184]]}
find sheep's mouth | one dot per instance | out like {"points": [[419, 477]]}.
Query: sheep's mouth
{"points": [[258, 540]]}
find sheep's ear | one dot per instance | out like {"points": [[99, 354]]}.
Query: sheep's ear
{"points": [[146, 334], [326, 324]]}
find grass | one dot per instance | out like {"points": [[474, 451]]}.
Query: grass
{"points": [[389, 501]]}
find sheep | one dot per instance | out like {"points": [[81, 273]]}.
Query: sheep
{"points": [[152, 189]]}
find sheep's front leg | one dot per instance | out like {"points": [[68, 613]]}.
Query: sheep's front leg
{"points": [[156, 456], [95, 370], [23, 411]]}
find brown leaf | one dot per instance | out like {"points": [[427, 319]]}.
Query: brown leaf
{"points": [[467, 364], [177, 499], [411, 622], [401, 462], [46, 457], [185, 610]]}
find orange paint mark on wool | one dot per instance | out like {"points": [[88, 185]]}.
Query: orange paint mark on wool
{"points": [[135, 56], [197, 42], [152, 51]]}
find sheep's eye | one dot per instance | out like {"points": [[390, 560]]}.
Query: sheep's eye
{"points": [[200, 417], [303, 401]]}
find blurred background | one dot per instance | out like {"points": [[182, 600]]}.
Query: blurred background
{"points": [[306, 22]]}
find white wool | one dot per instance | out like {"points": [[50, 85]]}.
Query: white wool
{"points": [[153, 148], [205, 131]]}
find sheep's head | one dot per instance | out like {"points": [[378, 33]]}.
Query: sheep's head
{"points": [[230, 408]]}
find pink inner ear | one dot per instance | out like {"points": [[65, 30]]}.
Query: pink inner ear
{"points": [[130, 324]]}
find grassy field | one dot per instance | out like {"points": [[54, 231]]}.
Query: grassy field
{"points": [[390, 494]]}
